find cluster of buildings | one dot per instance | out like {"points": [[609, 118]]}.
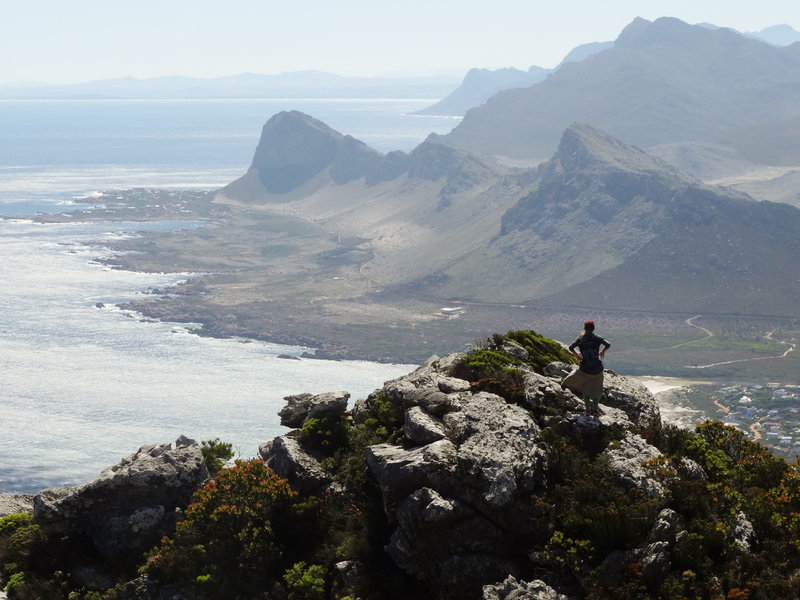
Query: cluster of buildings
{"points": [[768, 413]]}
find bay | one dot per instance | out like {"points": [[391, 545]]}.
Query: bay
{"points": [[84, 383]]}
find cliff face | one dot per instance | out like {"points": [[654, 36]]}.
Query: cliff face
{"points": [[294, 148]]}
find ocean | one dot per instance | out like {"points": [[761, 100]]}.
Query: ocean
{"points": [[83, 383]]}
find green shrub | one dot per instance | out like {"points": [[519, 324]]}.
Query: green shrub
{"points": [[216, 453], [489, 368], [19, 539], [305, 582], [235, 533], [325, 434]]}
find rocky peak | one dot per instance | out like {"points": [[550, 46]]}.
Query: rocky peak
{"points": [[583, 146], [456, 485], [295, 147]]}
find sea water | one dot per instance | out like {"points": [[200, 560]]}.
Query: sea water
{"points": [[82, 383]]}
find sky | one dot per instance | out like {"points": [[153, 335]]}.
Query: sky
{"points": [[69, 41]]}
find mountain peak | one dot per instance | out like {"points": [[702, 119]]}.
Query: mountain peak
{"points": [[583, 146], [641, 32], [295, 147]]}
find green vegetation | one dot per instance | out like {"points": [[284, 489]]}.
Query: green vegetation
{"points": [[489, 368], [216, 453], [242, 530]]}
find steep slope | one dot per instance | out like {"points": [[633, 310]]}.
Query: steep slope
{"points": [[607, 225], [662, 82], [294, 148]]}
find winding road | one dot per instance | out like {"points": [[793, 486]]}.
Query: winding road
{"points": [[690, 322]]}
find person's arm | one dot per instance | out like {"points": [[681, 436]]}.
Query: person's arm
{"points": [[606, 346], [572, 347]]}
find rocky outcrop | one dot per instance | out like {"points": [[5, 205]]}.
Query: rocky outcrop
{"points": [[290, 460], [511, 589], [301, 407], [629, 458], [130, 505], [455, 487], [15, 503]]}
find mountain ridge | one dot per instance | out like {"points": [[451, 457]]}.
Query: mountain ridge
{"points": [[662, 81]]}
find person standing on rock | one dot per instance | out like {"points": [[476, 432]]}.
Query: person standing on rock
{"points": [[587, 379]]}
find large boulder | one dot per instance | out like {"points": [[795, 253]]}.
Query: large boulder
{"points": [[129, 506], [630, 396], [302, 407], [288, 459], [629, 461]]}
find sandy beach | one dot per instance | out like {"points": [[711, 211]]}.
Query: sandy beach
{"points": [[661, 384]]}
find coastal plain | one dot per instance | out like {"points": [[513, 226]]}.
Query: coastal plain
{"points": [[262, 275]]}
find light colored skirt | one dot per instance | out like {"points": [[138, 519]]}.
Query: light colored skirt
{"points": [[589, 387]]}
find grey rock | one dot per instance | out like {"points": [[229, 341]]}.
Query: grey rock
{"points": [[655, 561], [541, 391], [422, 428], [630, 396], [350, 572], [743, 534], [399, 472], [513, 589], [301, 407], [15, 503], [142, 588], [627, 460], [666, 527], [690, 469], [433, 401], [499, 452], [448, 385], [131, 505], [433, 529], [287, 458], [514, 349], [558, 369], [296, 410]]}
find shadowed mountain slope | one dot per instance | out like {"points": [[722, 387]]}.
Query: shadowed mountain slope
{"points": [[608, 225], [662, 82]]}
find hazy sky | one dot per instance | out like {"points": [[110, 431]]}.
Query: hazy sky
{"points": [[61, 41]]}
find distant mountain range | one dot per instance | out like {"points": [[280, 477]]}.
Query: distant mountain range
{"points": [[481, 84], [601, 224], [661, 82]]}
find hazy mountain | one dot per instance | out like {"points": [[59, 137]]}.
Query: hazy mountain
{"points": [[601, 224], [608, 225], [584, 51], [301, 84], [661, 82], [777, 35], [481, 84]]}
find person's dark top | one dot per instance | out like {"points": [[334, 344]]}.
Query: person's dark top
{"points": [[589, 344]]}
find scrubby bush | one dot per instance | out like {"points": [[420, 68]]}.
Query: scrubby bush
{"points": [[216, 453], [238, 533], [490, 368]]}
